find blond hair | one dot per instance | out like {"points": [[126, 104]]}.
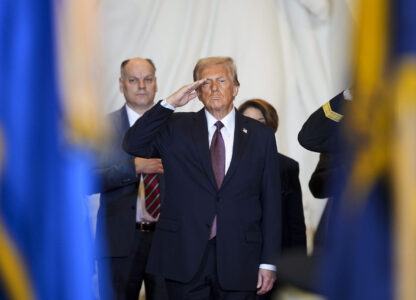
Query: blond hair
{"points": [[226, 61]]}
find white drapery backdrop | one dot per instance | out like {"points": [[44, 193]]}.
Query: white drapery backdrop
{"points": [[292, 53]]}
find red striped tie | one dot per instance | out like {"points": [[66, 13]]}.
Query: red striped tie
{"points": [[152, 194]]}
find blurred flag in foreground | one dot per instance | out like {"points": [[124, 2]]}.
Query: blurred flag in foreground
{"points": [[372, 251], [45, 239]]}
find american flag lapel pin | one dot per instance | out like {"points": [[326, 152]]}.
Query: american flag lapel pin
{"points": [[244, 130]]}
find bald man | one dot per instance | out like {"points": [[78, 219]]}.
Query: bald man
{"points": [[126, 221]]}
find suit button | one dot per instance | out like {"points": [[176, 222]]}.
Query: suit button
{"points": [[218, 199], [133, 207], [208, 225]]}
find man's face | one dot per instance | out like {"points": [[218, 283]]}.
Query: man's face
{"points": [[219, 91], [138, 84]]}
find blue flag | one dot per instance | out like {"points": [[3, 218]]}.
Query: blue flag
{"points": [[43, 175], [372, 226]]}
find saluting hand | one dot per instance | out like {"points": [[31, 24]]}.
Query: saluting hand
{"points": [[184, 94]]}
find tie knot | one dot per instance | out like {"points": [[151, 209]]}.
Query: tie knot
{"points": [[219, 125]]}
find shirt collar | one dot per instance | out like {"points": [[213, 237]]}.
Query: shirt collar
{"points": [[132, 115], [228, 120]]}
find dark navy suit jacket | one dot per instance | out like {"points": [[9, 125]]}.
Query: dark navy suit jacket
{"points": [[247, 205]]}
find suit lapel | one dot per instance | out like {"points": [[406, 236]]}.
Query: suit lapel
{"points": [[240, 144], [123, 121], [200, 137], [121, 124]]}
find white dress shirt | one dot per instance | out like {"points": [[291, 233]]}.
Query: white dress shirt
{"points": [[227, 132], [141, 213]]}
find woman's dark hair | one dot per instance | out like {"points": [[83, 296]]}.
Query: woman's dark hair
{"points": [[268, 111]]}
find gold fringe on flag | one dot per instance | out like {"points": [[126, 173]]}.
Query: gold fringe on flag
{"points": [[13, 274]]}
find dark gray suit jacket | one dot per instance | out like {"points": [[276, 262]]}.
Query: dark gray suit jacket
{"points": [[116, 219]]}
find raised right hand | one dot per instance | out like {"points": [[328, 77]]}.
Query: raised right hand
{"points": [[184, 94]]}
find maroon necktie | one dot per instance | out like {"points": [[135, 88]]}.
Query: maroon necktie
{"points": [[217, 152], [152, 195]]}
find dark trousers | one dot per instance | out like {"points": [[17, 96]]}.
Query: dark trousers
{"points": [[205, 285], [126, 274]]}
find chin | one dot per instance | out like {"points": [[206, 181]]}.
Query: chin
{"points": [[142, 101], [217, 104]]}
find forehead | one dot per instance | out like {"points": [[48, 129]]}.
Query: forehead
{"points": [[138, 68], [214, 71], [253, 111]]}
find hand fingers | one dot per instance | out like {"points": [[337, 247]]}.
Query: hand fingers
{"points": [[259, 280], [192, 95], [267, 284], [158, 168], [184, 94], [190, 88], [196, 84], [153, 165], [153, 170]]}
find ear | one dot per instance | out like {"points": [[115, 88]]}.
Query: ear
{"points": [[235, 90], [155, 84], [121, 85]]}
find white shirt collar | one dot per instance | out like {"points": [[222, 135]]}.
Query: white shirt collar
{"points": [[228, 120], [132, 115], [227, 133]]}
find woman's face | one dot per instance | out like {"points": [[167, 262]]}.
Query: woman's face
{"points": [[255, 114]]}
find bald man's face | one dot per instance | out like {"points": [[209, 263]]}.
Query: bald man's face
{"points": [[138, 84]]}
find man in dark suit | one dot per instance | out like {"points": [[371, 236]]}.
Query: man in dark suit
{"points": [[218, 234], [125, 225]]}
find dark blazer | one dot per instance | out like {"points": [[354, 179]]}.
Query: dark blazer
{"points": [[320, 133], [116, 218], [293, 220], [322, 176], [247, 205]]}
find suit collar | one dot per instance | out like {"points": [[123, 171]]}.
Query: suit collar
{"points": [[228, 121], [132, 116], [241, 135], [200, 135], [121, 120]]}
